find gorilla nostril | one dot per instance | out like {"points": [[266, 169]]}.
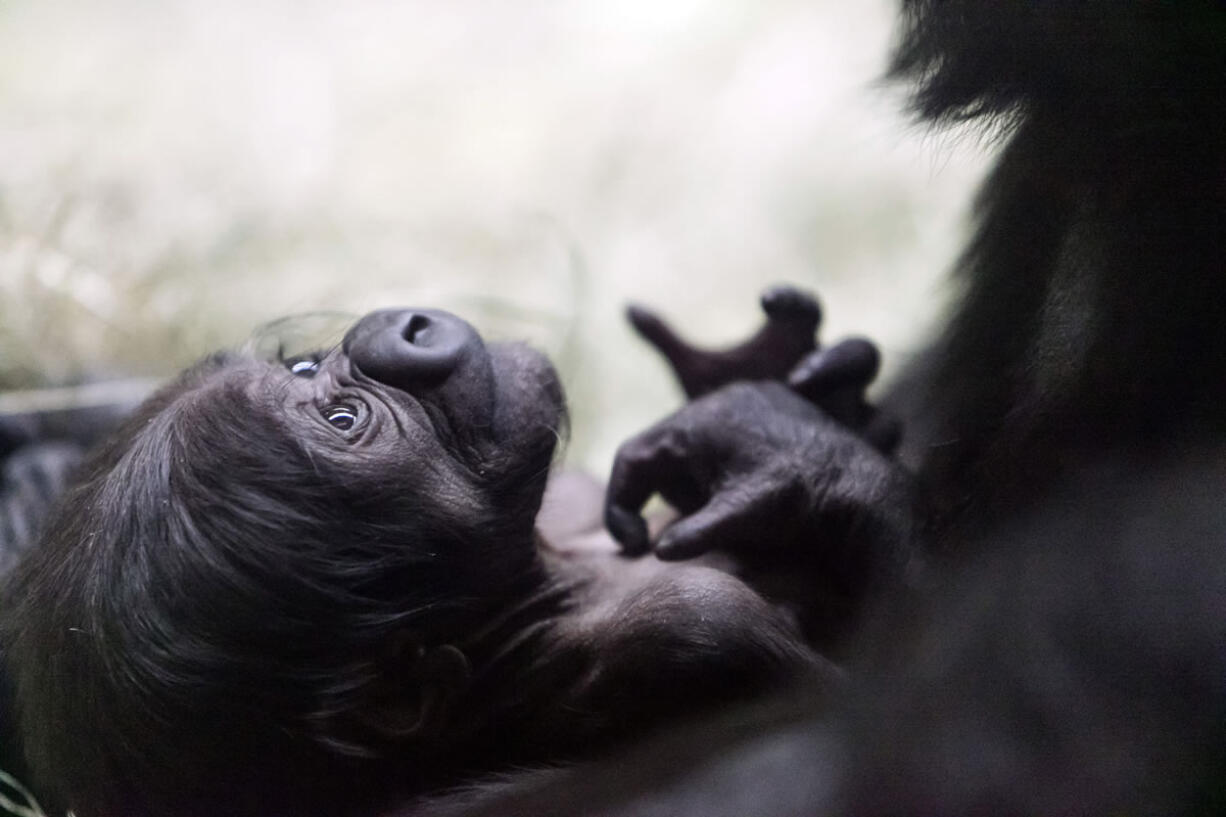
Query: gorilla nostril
{"points": [[410, 348], [415, 330]]}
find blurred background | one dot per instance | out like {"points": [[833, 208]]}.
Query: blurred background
{"points": [[176, 172]]}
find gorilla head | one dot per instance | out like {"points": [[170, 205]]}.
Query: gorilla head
{"points": [[283, 561]]}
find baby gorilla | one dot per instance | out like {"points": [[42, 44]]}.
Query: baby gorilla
{"points": [[316, 587]]}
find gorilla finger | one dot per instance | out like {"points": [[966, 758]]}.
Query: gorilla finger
{"points": [[728, 519], [652, 328], [643, 465], [785, 302], [883, 432], [852, 363], [628, 528], [846, 406]]}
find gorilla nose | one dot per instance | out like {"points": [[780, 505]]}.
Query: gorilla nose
{"points": [[410, 347]]}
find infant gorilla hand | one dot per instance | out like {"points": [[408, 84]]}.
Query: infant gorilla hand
{"points": [[788, 336], [756, 470], [835, 378]]}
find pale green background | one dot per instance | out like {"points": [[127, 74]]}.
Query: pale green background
{"points": [[173, 172]]}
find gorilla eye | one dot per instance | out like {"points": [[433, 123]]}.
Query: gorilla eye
{"points": [[341, 417], [305, 367]]}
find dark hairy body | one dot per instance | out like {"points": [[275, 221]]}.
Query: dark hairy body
{"points": [[1060, 646], [1092, 315], [318, 586], [1028, 596]]}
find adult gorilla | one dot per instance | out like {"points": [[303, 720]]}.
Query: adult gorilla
{"points": [[1067, 432], [315, 587]]}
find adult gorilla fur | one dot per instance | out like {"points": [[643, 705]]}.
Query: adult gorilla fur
{"points": [[1092, 312], [1067, 653]]}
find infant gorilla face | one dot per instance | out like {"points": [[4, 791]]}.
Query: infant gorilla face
{"points": [[414, 397], [411, 424]]}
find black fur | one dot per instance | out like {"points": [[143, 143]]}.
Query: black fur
{"points": [[242, 608], [1094, 286], [219, 578], [1065, 653], [31, 479], [1073, 667]]}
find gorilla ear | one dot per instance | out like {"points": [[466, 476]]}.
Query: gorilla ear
{"points": [[413, 698]]}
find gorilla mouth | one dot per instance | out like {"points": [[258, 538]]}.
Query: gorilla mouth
{"points": [[529, 402]]}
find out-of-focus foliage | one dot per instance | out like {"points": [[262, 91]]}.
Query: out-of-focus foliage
{"points": [[177, 171]]}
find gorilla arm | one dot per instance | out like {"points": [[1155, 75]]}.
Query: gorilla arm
{"points": [[757, 471]]}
